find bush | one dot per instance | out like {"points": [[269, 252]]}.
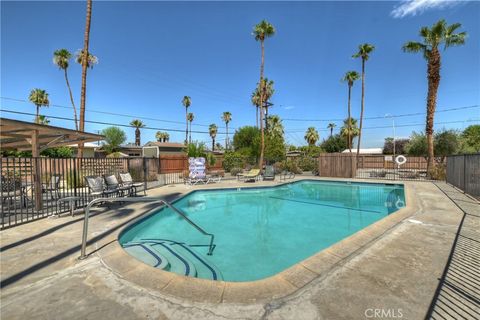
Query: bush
{"points": [[439, 172], [307, 163], [233, 160], [291, 166], [235, 171]]}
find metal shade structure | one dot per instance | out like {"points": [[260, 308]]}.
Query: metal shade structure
{"points": [[22, 136]]}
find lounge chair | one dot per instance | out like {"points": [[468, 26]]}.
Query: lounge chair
{"points": [[96, 187], [252, 175], [196, 172], [126, 180], [287, 175], [269, 173], [52, 186], [193, 179], [11, 189], [113, 184]]}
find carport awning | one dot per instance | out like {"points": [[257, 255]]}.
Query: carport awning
{"points": [[22, 136]]}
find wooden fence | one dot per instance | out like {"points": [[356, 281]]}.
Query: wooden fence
{"points": [[179, 163], [339, 165]]}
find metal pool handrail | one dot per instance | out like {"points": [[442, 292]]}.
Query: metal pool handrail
{"points": [[83, 254]]}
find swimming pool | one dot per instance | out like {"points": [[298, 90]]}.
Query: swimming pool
{"points": [[258, 231]]}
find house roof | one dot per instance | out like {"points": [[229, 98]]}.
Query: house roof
{"points": [[365, 150], [16, 134], [164, 144], [93, 145]]}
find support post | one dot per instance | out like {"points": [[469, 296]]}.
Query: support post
{"points": [[37, 169]]}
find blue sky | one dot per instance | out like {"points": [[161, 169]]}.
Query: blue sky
{"points": [[151, 54]]}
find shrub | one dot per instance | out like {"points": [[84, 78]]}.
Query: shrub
{"points": [[439, 172], [291, 166], [307, 163], [235, 171], [233, 160]]}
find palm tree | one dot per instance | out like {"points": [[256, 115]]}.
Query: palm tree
{"points": [[256, 102], [311, 136], [212, 130], [349, 130], [91, 60], [83, 92], [43, 120], [162, 136], [275, 126], [268, 93], [39, 98], [61, 58], [137, 124], [440, 33], [262, 31], [186, 101], [226, 117], [190, 117], [364, 51], [350, 77], [331, 126]]}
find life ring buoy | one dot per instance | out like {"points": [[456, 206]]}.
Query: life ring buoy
{"points": [[399, 204], [400, 159]]}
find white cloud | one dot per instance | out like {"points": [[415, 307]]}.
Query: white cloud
{"points": [[414, 7], [289, 107]]}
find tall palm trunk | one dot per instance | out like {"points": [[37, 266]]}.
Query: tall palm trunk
{"points": [[361, 110], [71, 99], [433, 83], [331, 132], [213, 144], [137, 137], [262, 139], [349, 137], [84, 74], [228, 140], [37, 119], [186, 130], [256, 116], [190, 133]]}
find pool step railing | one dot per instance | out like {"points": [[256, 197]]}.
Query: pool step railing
{"points": [[173, 256], [83, 250]]}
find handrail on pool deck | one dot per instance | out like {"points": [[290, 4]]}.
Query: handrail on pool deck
{"points": [[83, 254]]}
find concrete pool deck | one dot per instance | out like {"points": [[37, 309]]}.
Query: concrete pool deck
{"points": [[396, 269]]}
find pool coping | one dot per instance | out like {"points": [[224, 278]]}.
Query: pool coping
{"points": [[276, 286]]}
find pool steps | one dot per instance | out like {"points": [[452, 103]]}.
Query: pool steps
{"points": [[173, 256]]}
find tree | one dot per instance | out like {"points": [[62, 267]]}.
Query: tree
{"points": [[364, 51], [196, 149], [227, 117], [137, 124], [114, 138], [470, 139], [262, 31], [440, 33], [268, 91], [85, 54], [350, 77], [275, 126], [335, 143], [190, 117], [43, 120], [400, 145], [312, 136], [61, 58], [39, 98], [162, 136], [274, 147], [212, 130], [331, 126], [446, 143], [246, 141], [256, 102], [186, 102], [349, 130]]}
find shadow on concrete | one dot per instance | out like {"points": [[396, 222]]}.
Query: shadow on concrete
{"points": [[76, 249], [458, 293]]}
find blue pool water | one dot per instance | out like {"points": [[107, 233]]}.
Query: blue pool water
{"points": [[258, 231]]}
